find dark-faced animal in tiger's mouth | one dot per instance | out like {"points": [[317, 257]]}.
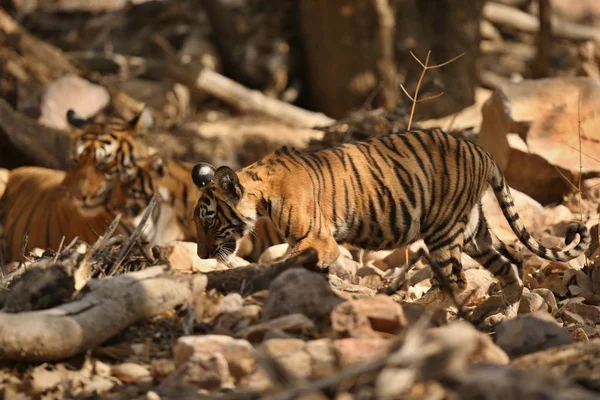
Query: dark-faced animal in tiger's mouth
{"points": [[379, 193]]}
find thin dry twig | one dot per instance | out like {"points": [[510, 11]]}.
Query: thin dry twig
{"points": [[62, 242], [426, 67], [126, 248], [84, 271]]}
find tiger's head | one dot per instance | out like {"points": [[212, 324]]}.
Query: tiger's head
{"points": [[102, 155], [224, 213], [132, 197]]}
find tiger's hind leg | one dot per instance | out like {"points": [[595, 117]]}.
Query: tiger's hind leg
{"points": [[484, 247], [444, 258]]}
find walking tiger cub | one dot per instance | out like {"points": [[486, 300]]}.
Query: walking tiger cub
{"points": [[379, 193]]}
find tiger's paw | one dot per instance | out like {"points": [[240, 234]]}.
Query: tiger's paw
{"points": [[492, 311]]}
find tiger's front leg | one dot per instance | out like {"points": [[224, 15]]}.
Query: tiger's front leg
{"points": [[327, 249]]}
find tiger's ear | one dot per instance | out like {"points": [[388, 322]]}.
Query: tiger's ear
{"points": [[142, 121], [158, 165], [75, 120], [202, 174], [228, 183]]}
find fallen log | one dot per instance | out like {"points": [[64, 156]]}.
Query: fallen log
{"points": [[105, 307], [516, 19], [255, 277], [244, 99], [45, 146]]}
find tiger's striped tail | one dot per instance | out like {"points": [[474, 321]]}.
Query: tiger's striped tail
{"points": [[507, 205]]}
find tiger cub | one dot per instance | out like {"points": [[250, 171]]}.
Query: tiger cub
{"points": [[379, 193]]}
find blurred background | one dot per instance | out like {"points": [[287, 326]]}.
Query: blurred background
{"points": [[197, 65]]}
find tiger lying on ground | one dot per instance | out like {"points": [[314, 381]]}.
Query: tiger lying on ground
{"points": [[379, 193], [36, 201], [52, 204]]}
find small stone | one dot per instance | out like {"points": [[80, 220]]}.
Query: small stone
{"points": [[590, 315], [291, 355], [358, 350], [183, 258], [231, 303], [298, 290], [368, 317], [131, 373], [579, 335], [293, 324], [548, 297], [273, 253], [532, 302], [323, 360], [529, 333], [239, 353]]}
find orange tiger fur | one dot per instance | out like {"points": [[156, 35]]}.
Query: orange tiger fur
{"points": [[379, 193], [36, 201]]}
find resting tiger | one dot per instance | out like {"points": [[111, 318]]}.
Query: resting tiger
{"points": [[52, 204], [379, 193], [36, 201]]}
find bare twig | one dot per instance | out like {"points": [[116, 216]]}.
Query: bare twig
{"points": [[24, 242], [84, 271], [126, 248], [62, 241], [426, 67]]}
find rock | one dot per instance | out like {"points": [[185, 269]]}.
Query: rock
{"points": [[589, 315], [273, 253], [548, 297], [532, 302], [579, 335], [530, 128], [293, 325], [131, 373], [359, 350], [372, 281], [555, 215], [367, 318], [183, 258], [477, 348], [298, 290], [204, 371], [71, 92], [291, 355], [231, 303], [344, 268], [323, 359], [530, 333], [478, 280], [239, 353], [531, 212]]}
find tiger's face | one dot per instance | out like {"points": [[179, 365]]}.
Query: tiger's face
{"points": [[131, 198], [223, 214], [102, 156]]}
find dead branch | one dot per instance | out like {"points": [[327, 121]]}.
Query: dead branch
{"points": [[106, 307], [35, 63], [255, 277], [516, 19], [244, 99], [46, 147]]}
